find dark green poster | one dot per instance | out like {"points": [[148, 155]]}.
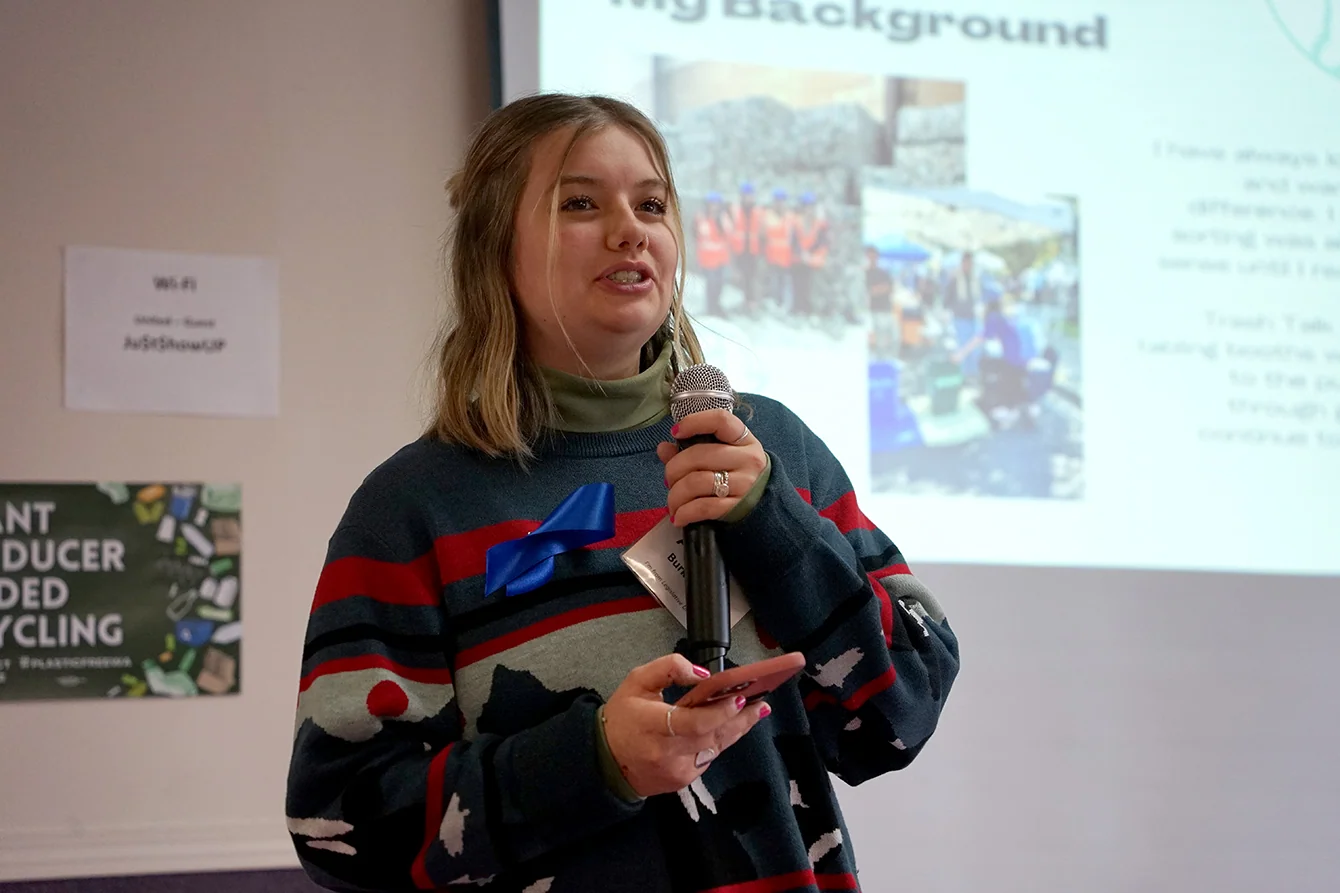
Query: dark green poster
{"points": [[117, 590]]}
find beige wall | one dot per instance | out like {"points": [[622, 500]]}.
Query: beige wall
{"points": [[318, 132]]}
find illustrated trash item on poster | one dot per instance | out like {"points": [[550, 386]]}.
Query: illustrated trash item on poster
{"points": [[120, 590]]}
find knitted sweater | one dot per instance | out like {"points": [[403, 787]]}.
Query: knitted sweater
{"points": [[447, 736]]}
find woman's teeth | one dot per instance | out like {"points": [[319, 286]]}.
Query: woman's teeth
{"points": [[625, 276]]}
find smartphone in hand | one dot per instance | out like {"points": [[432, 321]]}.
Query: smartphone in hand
{"points": [[751, 680]]}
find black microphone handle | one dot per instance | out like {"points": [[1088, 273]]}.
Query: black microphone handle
{"points": [[708, 589], [708, 601]]}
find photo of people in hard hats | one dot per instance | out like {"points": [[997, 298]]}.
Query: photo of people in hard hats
{"points": [[768, 164], [773, 253]]}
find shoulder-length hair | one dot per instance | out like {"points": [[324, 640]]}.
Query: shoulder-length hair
{"points": [[489, 394]]}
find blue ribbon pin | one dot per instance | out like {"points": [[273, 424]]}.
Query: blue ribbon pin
{"points": [[586, 516]]}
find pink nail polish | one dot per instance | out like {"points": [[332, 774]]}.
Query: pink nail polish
{"points": [[701, 671], [667, 482], [674, 431], [764, 711], [740, 702]]}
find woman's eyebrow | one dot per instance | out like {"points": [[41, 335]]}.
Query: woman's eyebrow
{"points": [[583, 180]]}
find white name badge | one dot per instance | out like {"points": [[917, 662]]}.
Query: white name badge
{"points": [[658, 561]]}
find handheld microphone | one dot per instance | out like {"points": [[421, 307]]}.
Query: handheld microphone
{"points": [[696, 389]]}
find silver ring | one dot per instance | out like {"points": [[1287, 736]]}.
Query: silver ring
{"points": [[742, 437], [703, 757], [668, 727], [721, 484]]}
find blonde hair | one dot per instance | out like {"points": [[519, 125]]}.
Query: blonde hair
{"points": [[490, 394]]}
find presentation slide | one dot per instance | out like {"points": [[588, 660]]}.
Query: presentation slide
{"points": [[1059, 284]]}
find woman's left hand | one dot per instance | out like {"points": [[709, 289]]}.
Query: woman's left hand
{"points": [[691, 474]]}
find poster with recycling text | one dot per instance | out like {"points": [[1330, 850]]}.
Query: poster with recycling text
{"points": [[120, 590]]}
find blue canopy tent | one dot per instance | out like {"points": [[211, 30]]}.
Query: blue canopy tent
{"points": [[898, 248]]}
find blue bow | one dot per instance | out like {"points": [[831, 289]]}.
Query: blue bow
{"points": [[586, 516]]}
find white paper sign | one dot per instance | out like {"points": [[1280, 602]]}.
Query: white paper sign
{"points": [[658, 561], [157, 331]]}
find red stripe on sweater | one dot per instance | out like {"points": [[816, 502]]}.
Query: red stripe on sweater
{"points": [[545, 627], [847, 515], [431, 675], [393, 583], [433, 812], [844, 512], [463, 555], [793, 881], [885, 609], [817, 697], [629, 527], [885, 602], [882, 682]]}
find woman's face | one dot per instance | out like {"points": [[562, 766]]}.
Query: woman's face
{"points": [[615, 256]]}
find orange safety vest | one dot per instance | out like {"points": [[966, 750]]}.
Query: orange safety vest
{"points": [[807, 237], [777, 231], [713, 251], [742, 226]]}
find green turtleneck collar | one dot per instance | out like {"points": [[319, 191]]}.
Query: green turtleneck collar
{"points": [[585, 406]]}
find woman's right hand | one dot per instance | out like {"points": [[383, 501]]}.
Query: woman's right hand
{"points": [[660, 748]]}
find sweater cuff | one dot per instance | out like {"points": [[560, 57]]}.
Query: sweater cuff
{"points": [[750, 499], [609, 767]]}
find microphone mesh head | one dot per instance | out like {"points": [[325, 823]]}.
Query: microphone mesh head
{"points": [[699, 388]]}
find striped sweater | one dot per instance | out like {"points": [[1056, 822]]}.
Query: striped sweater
{"points": [[447, 737]]}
